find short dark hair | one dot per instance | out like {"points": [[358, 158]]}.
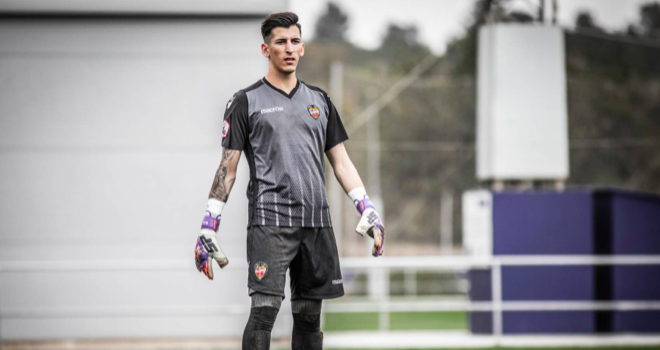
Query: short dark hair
{"points": [[280, 19]]}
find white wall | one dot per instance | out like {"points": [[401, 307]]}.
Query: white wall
{"points": [[522, 112], [109, 141]]}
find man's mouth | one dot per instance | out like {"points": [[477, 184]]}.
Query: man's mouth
{"points": [[290, 60]]}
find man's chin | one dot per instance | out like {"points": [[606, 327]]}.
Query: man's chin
{"points": [[288, 70]]}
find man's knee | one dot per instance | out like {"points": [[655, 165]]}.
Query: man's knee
{"points": [[260, 323], [307, 324], [261, 319]]}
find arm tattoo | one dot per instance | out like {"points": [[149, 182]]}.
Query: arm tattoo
{"points": [[220, 189]]}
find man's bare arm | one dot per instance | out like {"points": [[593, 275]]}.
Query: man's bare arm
{"points": [[226, 175], [350, 181], [344, 169]]}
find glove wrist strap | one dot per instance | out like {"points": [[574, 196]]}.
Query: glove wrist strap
{"points": [[210, 222], [363, 204]]}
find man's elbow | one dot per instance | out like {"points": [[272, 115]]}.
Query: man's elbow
{"points": [[339, 169], [231, 175]]}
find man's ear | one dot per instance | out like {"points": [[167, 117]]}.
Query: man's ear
{"points": [[264, 50], [302, 50]]}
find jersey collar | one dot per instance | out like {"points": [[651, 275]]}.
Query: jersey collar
{"points": [[289, 95]]}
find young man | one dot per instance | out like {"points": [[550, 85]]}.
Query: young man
{"points": [[284, 126]]}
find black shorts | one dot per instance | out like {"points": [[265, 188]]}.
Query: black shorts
{"points": [[309, 253]]}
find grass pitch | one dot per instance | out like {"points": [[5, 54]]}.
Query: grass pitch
{"points": [[368, 321]]}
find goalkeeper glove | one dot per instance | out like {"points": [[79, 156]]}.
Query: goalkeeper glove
{"points": [[370, 222], [207, 248]]}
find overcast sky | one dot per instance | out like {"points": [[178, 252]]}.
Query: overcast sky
{"points": [[440, 20]]}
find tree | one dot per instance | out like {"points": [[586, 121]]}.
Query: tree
{"points": [[400, 36], [332, 25], [651, 19], [520, 17], [584, 20], [401, 47]]}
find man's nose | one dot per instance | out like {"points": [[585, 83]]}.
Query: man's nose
{"points": [[289, 47]]}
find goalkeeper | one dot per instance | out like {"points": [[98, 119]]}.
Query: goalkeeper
{"points": [[285, 127]]}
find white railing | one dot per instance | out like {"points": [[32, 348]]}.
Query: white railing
{"points": [[410, 264], [383, 306]]}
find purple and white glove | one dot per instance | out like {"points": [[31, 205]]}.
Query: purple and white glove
{"points": [[207, 248], [370, 222]]}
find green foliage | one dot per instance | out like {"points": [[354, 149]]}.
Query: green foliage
{"points": [[332, 26], [584, 20], [650, 21], [428, 131], [401, 48]]}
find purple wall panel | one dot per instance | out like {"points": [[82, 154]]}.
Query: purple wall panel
{"points": [[543, 223], [548, 322], [550, 283]]}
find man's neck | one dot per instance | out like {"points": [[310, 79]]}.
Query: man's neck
{"points": [[283, 82]]}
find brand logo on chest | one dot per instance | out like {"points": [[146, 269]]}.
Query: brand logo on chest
{"points": [[314, 111], [272, 110]]}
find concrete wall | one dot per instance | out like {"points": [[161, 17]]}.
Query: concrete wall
{"points": [[109, 140]]}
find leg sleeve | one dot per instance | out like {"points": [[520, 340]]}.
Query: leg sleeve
{"points": [[262, 318], [307, 333]]}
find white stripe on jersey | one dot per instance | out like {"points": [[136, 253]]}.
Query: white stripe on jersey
{"points": [[263, 210], [277, 212], [312, 204], [302, 195]]}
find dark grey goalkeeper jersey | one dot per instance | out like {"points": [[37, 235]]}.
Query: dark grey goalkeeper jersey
{"points": [[284, 137]]}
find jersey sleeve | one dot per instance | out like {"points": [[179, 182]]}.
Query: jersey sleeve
{"points": [[335, 132], [235, 124]]}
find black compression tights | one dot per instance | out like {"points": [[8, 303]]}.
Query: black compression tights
{"points": [[307, 333], [262, 318]]}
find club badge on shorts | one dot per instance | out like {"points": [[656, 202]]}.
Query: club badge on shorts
{"points": [[314, 111], [260, 270]]}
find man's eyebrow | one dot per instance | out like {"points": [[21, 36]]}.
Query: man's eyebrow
{"points": [[278, 39]]}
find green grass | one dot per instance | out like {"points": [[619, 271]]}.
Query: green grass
{"points": [[428, 321], [368, 321], [363, 321]]}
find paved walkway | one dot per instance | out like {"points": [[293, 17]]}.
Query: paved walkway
{"points": [[351, 340], [436, 340]]}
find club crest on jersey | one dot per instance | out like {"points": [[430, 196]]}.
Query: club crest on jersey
{"points": [[225, 129], [260, 270], [314, 111]]}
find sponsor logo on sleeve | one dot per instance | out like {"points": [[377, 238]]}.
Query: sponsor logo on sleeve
{"points": [[314, 111], [260, 270], [225, 129], [230, 101]]}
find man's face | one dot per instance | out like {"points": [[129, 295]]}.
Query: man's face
{"points": [[284, 49]]}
